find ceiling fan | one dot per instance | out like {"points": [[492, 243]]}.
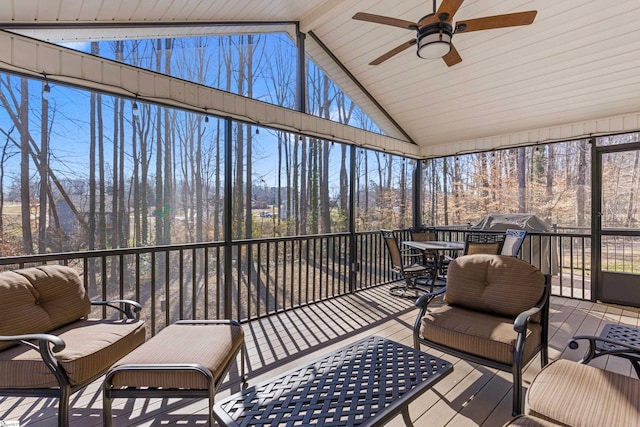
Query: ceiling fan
{"points": [[435, 31]]}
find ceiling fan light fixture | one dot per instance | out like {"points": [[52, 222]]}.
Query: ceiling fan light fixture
{"points": [[434, 41]]}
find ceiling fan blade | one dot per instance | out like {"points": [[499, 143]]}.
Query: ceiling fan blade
{"points": [[379, 19], [393, 52], [497, 21], [450, 7], [453, 57]]}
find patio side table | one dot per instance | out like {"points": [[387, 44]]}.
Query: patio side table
{"points": [[364, 384], [622, 333]]}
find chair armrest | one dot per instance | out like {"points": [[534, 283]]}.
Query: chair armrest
{"points": [[128, 307], [423, 301], [46, 345], [522, 320], [596, 351], [43, 339]]}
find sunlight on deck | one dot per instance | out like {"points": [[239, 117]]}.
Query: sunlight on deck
{"points": [[470, 395]]}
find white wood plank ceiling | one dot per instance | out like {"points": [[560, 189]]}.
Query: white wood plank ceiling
{"points": [[576, 64]]}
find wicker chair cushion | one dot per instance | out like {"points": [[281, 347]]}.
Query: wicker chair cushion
{"points": [[496, 284], [211, 346], [479, 333], [40, 299], [92, 346], [574, 394], [483, 248]]}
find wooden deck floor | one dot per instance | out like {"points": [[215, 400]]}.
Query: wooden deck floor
{"points": [[470, 396]]}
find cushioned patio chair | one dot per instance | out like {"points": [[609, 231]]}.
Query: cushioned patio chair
{"points": [[495, 313], [49, 347], [513, 242], [568, 393], [407, 264]]}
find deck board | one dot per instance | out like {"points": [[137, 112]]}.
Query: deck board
{"points": [[472, 395]]}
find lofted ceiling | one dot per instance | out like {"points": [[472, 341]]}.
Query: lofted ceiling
{"points": [[578, 62]]}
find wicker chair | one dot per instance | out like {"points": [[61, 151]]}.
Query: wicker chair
{"points": [[495, 313], [407, 264]]}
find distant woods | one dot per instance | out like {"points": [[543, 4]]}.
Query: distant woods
{"points": [[551, 180], [83, 170]]}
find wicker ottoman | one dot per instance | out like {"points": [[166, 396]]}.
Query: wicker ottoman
{"points": [[189, 358]]}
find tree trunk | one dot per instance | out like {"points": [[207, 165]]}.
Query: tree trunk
{"points": [[457, 187], [366, 183], [522, 180], [633, 198], [25, 197], [551, 164], [583, 146], [325, 213], [44, 178], [135, 180], [484, 179], [118, 111], [303, 206], [169, 170], [249, 177], [344, 179], [144, 181], [159, 213], [313, 185], [445, 190], [3, 159], [403, 193]]}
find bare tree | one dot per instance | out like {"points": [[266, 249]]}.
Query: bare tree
{"points": [[43, 172], [522, 180], [583, 146], [23, 128], [632, 206], [6, 155], [550, 180]]}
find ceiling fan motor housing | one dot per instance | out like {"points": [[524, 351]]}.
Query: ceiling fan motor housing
{"points": [[434, 40]]}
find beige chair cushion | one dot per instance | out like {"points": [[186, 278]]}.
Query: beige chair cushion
{"points": [[92, 346], [570, 393], [497, 284], [39, 299], [482, 248], [20, 314], [211, 346], [479, 333], [529, 421]]}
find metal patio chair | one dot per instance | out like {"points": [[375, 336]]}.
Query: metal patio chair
{"points": [[483, 243], [495, 313], [406, 263]]}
